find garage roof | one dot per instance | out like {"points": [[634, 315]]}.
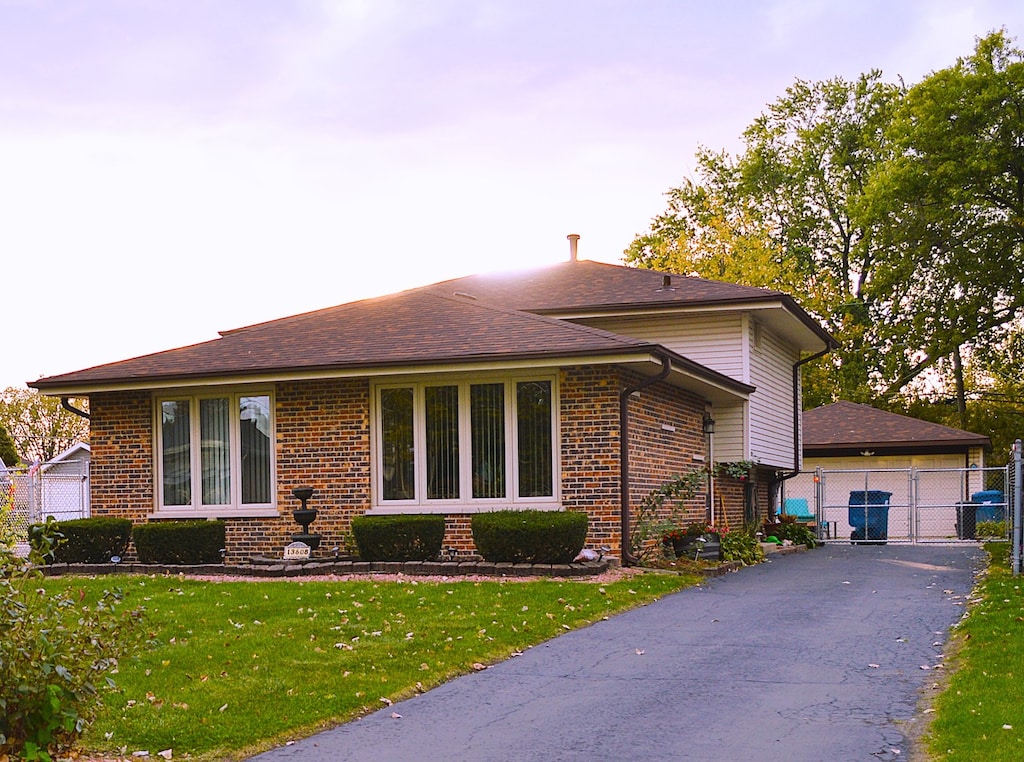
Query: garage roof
{"points": [[847, 428]]}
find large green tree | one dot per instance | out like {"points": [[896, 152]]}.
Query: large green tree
{"points": [[952, 199], [784, 214], [40, 427], [893, 214]]}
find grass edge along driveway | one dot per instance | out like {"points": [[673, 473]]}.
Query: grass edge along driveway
{"points": [[242, 666], [979, 715]]}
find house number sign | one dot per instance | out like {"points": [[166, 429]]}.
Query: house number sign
{"points": [[296, 551]]}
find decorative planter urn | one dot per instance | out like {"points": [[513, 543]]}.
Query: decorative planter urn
{"points": [[304, 517]]}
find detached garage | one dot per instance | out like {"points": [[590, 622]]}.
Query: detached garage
{"points": [[870, 472], [847, 435]]}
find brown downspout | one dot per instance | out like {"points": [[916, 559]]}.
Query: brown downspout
{"points": [[666, 367], [798, 411], [65, 402]]}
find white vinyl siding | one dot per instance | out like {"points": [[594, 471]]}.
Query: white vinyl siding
{"points": [[771, 406], [760, 428]]}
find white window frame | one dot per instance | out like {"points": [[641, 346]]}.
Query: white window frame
{"points": [[466, 503], [234, 508]]}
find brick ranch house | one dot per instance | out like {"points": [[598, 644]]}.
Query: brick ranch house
{"points": [[480, 393]]}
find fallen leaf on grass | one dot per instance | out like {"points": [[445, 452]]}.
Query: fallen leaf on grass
{"points": [[478, 666], [166, 753]]}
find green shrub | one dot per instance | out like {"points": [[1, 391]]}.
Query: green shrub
{"points": [[798, 534], [538, 537], [409, 537], [742, 546], [86, 541], [990, 529], [180, 542], [57, 651]]}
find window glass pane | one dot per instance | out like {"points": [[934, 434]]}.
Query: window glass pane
{"points": [[396, 438], [487, 426], [176, 452], [533, 406], [215, 436], [442, 420], [254, 434]]}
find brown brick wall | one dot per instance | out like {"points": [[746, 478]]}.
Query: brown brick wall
{"points": [[121, 439], [590, 450], [656, 453], [323, 441]]}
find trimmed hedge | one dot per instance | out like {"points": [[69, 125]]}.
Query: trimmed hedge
{"points": [[180, 542], [87, 541], [532, 537], [409, 537]]}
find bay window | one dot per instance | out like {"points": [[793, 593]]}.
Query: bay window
{"points": [[464, 443], [214, 453]]}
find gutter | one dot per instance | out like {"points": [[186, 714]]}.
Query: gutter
{"points": [[798, 410], [666, 367], [65, 402]]}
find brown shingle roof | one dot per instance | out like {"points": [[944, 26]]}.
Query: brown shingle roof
{"points": [[468, 319], [409, 328], [587, 287], [849, 426], [594, 285]]}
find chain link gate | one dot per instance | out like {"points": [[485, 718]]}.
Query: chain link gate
{"points": [[907, 505], [29, 495]]}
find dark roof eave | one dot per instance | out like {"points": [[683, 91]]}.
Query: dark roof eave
{"points": [[895, 448]]}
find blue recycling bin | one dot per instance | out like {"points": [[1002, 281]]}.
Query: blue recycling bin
{"points": [[991, 505], [869, 516]]}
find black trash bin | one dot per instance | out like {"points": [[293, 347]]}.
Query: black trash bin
{"points": [[966, 521], [869, 516]]}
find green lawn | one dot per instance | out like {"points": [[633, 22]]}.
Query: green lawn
{"points": [[980, 714], [241, 666]]}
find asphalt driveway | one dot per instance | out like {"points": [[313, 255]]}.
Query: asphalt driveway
{"points": [[812, 656]]}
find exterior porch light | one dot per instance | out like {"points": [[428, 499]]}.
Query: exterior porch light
{"points": [[709, 423]]}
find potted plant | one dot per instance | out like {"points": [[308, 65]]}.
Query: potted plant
{"points": [[698, 540]]}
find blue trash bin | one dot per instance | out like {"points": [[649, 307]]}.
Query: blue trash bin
{"points": [[869, 516], [991, 505]]}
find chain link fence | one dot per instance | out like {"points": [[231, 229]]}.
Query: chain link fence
{"points": [[912, 505], [29, 495]]}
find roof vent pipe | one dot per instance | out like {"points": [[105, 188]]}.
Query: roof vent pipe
{"points": [[574, 241]]}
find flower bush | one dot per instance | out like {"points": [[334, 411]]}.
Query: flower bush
{"points": [[693, 529], [654, 518]]}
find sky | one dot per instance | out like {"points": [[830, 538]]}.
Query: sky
{"points": [[173, 168]]}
